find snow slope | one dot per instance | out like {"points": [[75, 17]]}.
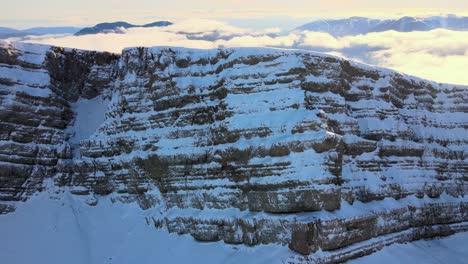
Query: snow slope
{"points": [[66, 230], [442, 250], [89, 115]]}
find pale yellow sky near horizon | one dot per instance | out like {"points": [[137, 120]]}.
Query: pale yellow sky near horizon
{"points": [[31, 13]]}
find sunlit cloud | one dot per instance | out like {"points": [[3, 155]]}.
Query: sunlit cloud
{"points": [[440, 55]]}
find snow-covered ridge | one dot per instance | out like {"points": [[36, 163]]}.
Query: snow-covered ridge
{"points": [[246, 145], [363, 25]]}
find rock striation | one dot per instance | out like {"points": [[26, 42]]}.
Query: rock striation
{"points": [[38, 83], [332, 158]]}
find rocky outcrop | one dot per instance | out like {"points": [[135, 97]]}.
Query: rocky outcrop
{"points": [[31, 123], [38, 83], [256, 146], [80, 74]]}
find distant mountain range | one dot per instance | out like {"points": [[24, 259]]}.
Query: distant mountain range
{"points": [[335, 27], [112, 27], [363, 25], [11, 32], [6, 32]]}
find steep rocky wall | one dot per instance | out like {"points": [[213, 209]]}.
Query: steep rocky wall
{"points": [[273, 131], [78, 74], [259, 146], [37, 85]]}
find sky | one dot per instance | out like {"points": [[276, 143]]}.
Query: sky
{"points": [[256, 13]]}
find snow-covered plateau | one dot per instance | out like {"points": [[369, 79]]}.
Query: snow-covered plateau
{"points": [[266, 155]]}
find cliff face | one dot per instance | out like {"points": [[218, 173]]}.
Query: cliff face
{"points": [[247, 146], [38, 83]]}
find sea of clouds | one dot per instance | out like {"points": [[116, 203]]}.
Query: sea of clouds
{"points": [[440, 55]]}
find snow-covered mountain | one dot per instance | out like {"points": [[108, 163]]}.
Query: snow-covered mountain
{"points": [[114, 26], [363, 25], [330, 158]]}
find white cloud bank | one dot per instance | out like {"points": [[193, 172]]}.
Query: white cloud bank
{"points": [[439, 55]]}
